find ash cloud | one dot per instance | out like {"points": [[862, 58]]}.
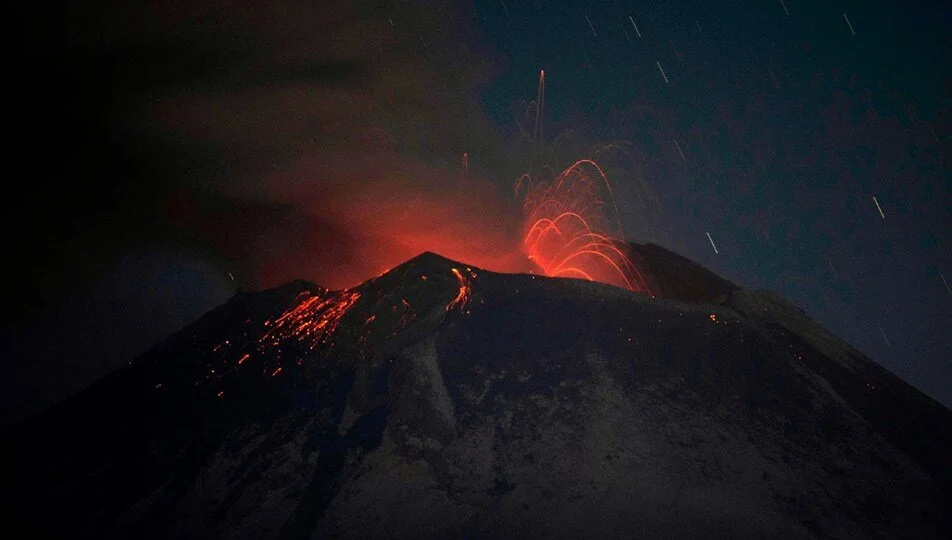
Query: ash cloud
{"points": [[273, 141], [301, 111], [356, 123]]}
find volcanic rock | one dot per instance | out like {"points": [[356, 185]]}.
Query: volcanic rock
{"points": [[443, 400]]}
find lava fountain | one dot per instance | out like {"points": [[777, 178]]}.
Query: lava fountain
{"points": [[570, 222], [571, 228]]}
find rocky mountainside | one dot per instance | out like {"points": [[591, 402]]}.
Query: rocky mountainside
{"points": [[439, 399]]}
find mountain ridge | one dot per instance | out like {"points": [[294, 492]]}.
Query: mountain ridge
{"points": [[501, 403]]}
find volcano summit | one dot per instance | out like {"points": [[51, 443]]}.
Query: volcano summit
{"points": [[439, 399]]}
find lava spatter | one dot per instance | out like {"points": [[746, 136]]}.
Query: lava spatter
{"points": [[312, 321], [571, 228]]}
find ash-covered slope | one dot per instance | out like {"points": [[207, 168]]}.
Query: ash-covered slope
{"points": [[675, 277], [439, 399]]}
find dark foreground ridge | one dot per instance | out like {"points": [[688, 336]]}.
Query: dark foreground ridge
{"points": [[443, 400]]}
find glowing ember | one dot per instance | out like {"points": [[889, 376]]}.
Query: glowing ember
{"points": [[405, 315], [571, 228], [312, 321], [462, 297]]}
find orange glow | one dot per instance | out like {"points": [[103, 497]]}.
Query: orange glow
{"points": [[462, 297], [313, 320], [243, 358], [350, 231], [571, 228], [392, 214]]}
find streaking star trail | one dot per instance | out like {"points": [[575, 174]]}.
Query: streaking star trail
{"points": [[712, 242], [879, 208], [661, 69], [630, 18], [847, 19]]}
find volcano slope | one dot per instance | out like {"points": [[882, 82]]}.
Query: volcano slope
{"points": [[443, 400]]}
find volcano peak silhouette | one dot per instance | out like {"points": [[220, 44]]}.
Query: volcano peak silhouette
{"points": [[439, 399]]}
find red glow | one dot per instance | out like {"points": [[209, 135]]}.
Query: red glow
{"points": [[312, 320], [571, 228], [462, 297], [339, 224], [383, 213]]}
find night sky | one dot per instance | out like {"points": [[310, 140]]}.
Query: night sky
{"points": [[168, 155]]}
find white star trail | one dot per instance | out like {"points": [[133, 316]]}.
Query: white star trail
{"points": [[712, 242], [630, 18], [678, 146], [784, 8], [946, 283], [848, 24], [879, 208], [590, 26], [662, 71]]}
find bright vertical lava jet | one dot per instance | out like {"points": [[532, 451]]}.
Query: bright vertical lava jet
{"points": [[570, 222]]}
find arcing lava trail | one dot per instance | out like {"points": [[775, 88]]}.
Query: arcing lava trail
{"points": [[571, 228]]}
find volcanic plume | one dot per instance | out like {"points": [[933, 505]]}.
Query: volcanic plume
{"points": [[564, 225], [341, 232]]}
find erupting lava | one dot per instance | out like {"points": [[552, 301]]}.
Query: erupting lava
{"points": [[570, 222], [571, 228], [347, 231], [312, 320], [465, 290]]}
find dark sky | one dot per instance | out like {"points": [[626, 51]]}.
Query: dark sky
{"points": [[168, 154]]}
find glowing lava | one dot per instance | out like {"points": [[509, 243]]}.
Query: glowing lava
{"points": [[465, 290], [571, 228], [312, 320]]}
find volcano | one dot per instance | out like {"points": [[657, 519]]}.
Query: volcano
{"points": [[439, 399]]}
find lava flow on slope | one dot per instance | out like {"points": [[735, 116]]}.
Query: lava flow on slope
{"points": [[317, 326], [430, 397]]}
